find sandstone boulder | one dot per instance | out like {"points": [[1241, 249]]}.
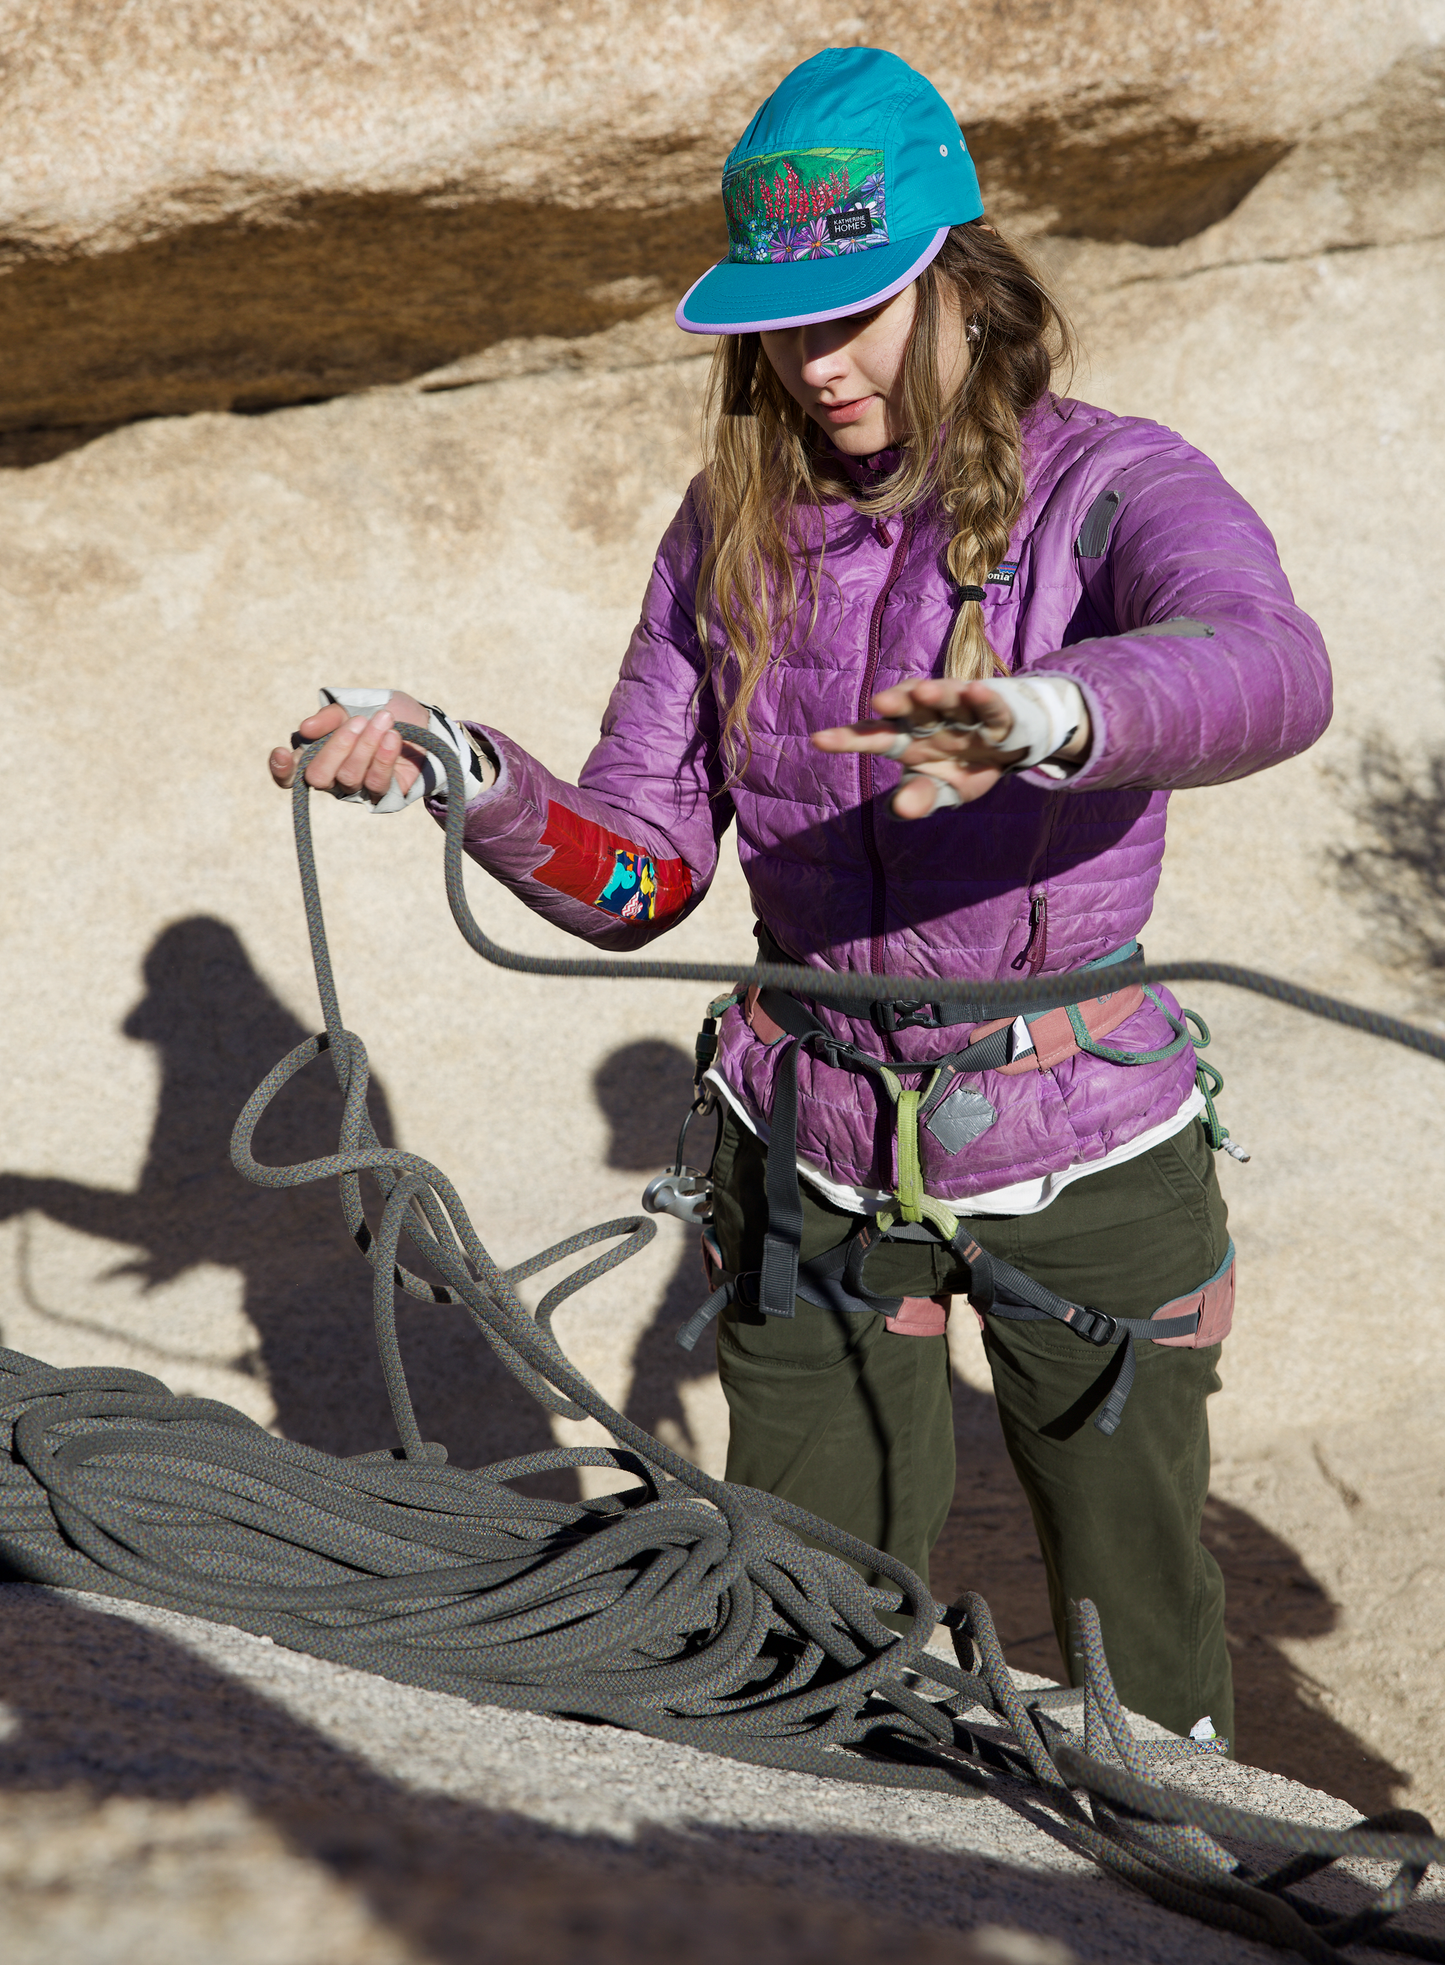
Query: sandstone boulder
{"points": [[179, 588], [213, 206]]}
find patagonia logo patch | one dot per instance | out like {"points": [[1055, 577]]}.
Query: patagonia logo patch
{"points": [[608, 872], [805, 204], [1003, 573]]}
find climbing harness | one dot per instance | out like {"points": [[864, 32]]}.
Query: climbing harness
{"points": [[1055, 1030], [685, 1608]]}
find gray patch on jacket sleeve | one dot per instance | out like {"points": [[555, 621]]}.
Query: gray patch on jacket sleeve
{"points": [[1093, 536], [1180, 625]]}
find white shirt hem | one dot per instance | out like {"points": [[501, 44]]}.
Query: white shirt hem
{"points": [[1020, 1197]]}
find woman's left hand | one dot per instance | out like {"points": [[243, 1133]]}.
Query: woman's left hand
{"points": [[971, 761]]}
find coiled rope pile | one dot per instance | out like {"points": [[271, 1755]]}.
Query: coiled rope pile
{"points": [[684, 1607]]}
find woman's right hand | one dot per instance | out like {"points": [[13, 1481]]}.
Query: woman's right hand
{"points": [[364, 753]]}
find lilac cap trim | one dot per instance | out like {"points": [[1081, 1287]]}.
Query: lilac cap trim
{"points": [[930, 252]]}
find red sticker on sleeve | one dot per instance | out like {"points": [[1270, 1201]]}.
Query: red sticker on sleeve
{"points": [[609, 872]]}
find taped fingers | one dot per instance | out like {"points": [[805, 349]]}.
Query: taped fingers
{"points": [[945, 795], [910, 733]]}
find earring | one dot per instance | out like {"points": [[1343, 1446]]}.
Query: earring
{"points": [[974, 331]]}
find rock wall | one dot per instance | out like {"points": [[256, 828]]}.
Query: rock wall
{"points": [[229, 207], [477, 521]]}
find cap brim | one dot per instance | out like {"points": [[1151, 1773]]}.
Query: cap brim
{"points": [[735, 298]]}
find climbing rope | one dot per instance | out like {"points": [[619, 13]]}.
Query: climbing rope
{"points": [[684, 1607], [845, 987]]}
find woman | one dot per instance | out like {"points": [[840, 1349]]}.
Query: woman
{"points": [[941, 643]]}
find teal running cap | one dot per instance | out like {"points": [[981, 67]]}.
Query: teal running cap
{"points": [[841, 190]]}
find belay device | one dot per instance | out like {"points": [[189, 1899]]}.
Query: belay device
{"points": [[684, 1191]]}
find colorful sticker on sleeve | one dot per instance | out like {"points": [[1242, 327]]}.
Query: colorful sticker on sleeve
{"points": [[609, 872]]}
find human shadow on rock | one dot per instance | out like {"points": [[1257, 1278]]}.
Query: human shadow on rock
{"points": [[217, 1029], [989, 1545], [643, 1090], [1280, 1715]]}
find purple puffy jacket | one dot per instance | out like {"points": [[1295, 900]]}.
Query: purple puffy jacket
{"points": [[1126, 527]]}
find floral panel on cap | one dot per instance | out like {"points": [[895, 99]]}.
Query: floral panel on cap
{"points": [[805, 204]]}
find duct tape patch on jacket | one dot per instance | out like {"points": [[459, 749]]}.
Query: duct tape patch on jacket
{"points": [[608, 872]]}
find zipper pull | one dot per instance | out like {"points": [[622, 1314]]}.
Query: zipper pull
{"points": [[1038, 931]]}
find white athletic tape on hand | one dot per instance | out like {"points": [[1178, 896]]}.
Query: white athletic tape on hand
{"points": [[431, 780], [945, 795], [1046, 711]]}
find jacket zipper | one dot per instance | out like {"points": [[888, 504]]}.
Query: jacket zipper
{"points": [[1038, 932], [865, 758]]}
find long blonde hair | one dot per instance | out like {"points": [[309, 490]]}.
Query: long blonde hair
{"points": [[765, 458]]}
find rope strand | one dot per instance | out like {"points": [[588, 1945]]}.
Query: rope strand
{"points": [[845, 988]]}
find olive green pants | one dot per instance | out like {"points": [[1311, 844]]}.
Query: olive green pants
{"points": [[841, 1416]]}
